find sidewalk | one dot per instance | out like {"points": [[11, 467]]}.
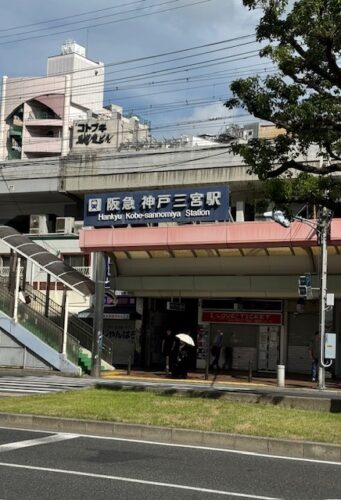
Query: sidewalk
{"points": [[223, 378]]}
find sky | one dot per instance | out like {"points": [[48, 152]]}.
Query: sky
{"points": [[181, 89]]}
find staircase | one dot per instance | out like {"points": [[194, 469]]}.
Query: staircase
{"points": [[77, 328], [38, 334], [46, 321]]}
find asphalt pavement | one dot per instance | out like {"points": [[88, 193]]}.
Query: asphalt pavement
{"points": [[39, 465]]}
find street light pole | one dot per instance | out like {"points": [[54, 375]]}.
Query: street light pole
{"points": [[321, 229]]}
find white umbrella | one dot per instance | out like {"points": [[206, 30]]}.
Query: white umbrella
{"points": [[187, 339]]}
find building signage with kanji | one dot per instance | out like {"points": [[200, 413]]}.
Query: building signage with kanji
{"points": [[246, 318], [203, 204], [93, 133]]}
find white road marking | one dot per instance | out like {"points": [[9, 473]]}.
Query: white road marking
{"points": [[36, 442], [139, 481], [177, 445]]}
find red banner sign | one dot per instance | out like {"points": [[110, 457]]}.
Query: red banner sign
{"points": [[246, 318]]}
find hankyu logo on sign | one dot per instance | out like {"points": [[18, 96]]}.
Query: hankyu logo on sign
{"points": [[145, 207], [95, 205]]}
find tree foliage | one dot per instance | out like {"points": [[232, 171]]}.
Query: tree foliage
{"points": [[303, 97]]}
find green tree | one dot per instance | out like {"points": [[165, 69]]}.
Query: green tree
{"points": [[303, 97]]}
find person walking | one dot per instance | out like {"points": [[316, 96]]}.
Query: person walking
{"points": [[216, 349], [315, 349]]}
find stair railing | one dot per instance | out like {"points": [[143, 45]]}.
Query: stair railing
{"points": [[41, 326], [78, 328]]}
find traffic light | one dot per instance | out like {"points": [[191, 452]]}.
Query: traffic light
{"points": [[304, 286]]}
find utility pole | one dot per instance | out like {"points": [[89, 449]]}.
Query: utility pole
{"points": [[322, 231]]}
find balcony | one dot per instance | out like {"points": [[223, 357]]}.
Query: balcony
{"points": [[42, 145], [44, 122]]}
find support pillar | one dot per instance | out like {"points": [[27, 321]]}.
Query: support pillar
{"points": [[66, 321], [98, 315], [2, 119], [16, 290]]}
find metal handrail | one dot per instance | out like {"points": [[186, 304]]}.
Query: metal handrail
{"points": [[78, 328]]}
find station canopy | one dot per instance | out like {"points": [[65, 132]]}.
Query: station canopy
{"points": [[45, 260]]}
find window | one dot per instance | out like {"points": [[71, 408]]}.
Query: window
{"points": [[77, 260], [5, 260]]}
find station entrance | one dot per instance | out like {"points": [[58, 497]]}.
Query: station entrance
{"points": [[179, 316]]}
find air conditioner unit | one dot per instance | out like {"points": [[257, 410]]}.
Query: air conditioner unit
{"points": [[65, 225], [38, 224], [79, 224]]}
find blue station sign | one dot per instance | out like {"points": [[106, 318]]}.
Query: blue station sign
{"points": [[202, 204]]}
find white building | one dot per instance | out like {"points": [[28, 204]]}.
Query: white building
{"points": [[37, 113]]}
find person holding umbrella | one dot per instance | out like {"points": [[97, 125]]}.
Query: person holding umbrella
{"points": [[180, 367]]}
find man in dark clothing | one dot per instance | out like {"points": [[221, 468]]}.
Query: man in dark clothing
{"points": [[315, 349], [167, 348], [216, 349], [180, 366]]}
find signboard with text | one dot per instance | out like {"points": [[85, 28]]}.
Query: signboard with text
{"points": [[246, 318], [94, 134], [202, 204]]}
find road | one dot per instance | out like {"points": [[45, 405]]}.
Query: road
{"points": [[40, 465]]}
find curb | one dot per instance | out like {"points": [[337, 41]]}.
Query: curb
{"points": [[327, 404], [271, 446], [122, 375]]}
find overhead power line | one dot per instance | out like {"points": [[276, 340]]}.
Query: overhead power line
{"points": [[177, 125], [71, 16], [197, 2], [142, 76], [115, 64]]}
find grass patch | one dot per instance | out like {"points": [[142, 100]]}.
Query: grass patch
{"points": [[168, 410]]}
